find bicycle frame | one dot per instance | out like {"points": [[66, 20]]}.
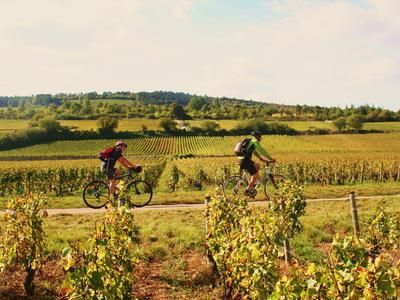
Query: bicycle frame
{"points": [[127, 174], [123, 176], [267, 174]]}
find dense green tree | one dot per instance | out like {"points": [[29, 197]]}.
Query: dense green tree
{"points": [[251, 125], [50, 125], [168, 124], [114, 109], [385, 115], [355, 122], [21, 106], [179, 113], [340, 123], [244, 115], [196, 103], [107, 125]]}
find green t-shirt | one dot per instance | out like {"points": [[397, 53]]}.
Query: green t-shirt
{"points": [[255, 147]]}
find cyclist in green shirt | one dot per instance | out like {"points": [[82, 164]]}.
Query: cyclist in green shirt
{"points": [[246, 163]]}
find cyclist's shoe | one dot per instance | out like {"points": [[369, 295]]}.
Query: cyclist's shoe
{"points": [[250, 193]]}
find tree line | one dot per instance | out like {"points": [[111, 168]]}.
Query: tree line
{"points": [[160, 104]]}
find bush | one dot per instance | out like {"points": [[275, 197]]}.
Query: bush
{"points": [[107, 125], [340, 123], [355, 122], [210, 126], [67, 116], [248, 126], [168, 125]]}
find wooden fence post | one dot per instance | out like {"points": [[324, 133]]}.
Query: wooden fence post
{"points": [[398, 173], [206, 201], [362, 172], [286, 248], [354, 214], [210, 258], [286, 244]]}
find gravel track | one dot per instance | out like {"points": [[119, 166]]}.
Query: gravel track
{"points": [[84, 211]]}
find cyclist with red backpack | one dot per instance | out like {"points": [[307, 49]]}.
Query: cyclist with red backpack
{"points": [[245, 149], [109, 158]]}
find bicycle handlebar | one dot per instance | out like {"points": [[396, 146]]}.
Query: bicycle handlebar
{"points": [[136, 169], [269, 162]]}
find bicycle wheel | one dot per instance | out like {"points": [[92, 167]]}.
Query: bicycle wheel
{"points": [[96, 194], [272, 185], [234, 186], [139, 193]]}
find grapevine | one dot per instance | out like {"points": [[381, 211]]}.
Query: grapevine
{"points": [[22, 241], [104, 270]]}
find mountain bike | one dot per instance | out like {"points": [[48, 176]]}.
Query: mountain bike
{"points": [[96, 194], [236, 185]]}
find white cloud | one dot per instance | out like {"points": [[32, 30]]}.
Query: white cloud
{"points": [[315, 52], [327, 53], [181, 9]]}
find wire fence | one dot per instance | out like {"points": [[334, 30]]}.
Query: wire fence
{"points": [[353, 215]]}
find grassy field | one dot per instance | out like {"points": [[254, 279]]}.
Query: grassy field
{"points": [[188, 196], [137, 124], [323, 220], [8, 126], [384, 126], [123, 125], [308, 125], [159, 222]]}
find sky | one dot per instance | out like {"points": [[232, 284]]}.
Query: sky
{"points": [[314, 52]]}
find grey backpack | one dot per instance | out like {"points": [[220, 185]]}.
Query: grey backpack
{"points": [[241, 147]]}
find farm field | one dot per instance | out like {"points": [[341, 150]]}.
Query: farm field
{"points": [[123, 124], [297, 125], [329, 166], [185, 170], [173, 264], [384, 126], [322, 147], [7, 126], [312, 125]]}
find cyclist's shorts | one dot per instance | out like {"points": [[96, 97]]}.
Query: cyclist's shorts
{"points": [[248, 165], [107, 170]]}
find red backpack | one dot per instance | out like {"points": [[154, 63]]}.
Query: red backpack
{"points": [[105, 153]]}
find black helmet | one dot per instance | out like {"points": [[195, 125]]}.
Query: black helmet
{"points": [[256, 133]]}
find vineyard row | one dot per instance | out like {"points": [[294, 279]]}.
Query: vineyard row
{"points": [[196, 173]]}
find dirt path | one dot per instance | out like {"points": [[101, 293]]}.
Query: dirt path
{"points": [[83, 211]]}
